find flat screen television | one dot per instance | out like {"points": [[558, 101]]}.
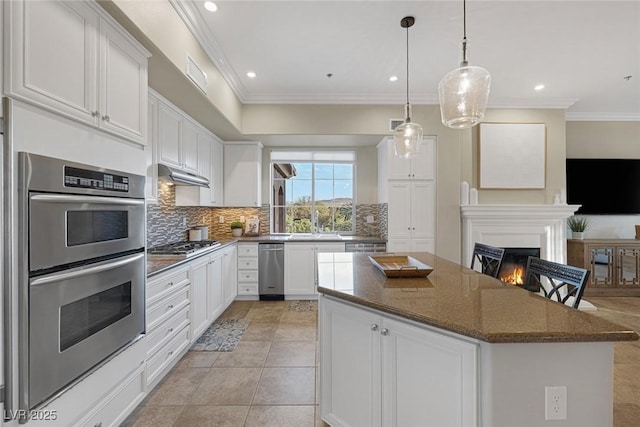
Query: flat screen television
{"points": [[604, 186]]}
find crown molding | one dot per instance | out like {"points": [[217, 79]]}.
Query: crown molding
{"points": [[602, 117], [196, 24]]}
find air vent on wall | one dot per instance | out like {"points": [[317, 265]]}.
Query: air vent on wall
{"points": [[196, 75], [394, 123]]}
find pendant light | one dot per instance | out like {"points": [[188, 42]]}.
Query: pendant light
{"points": [[407, 135], [464, 92]]}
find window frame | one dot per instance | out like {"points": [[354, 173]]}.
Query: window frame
{"points": [[312, 158]]}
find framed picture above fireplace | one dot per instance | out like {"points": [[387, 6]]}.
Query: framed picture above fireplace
{"points": [[512, 155]]}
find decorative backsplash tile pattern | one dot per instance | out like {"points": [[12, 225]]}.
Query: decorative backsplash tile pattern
{"points": [[165, 220], [362, 227]]}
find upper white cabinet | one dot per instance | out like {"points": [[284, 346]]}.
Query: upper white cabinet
{"points": [[409, 189], [151, 183], [177, 139], [73, 59], [243, 174], [420, 167], [210, 166]]}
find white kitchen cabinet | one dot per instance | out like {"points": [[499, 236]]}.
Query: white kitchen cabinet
{"points": [[248, 269], [75, 60], [422, 166], [427, 378], [243, 174], [177, 139], [150, 149], [209, 166], [410, 195], [300, 265], [229, 275], [411, 211], [199, 287], [215, 297]]}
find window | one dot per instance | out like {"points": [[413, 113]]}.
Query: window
{"points": [[313, 192]]}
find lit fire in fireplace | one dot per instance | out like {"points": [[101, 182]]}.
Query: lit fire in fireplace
{"points": [[513, 277]]}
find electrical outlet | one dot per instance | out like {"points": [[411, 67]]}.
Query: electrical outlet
{"points": [[555, 403], [370, 219], [221, 219], [184, 221], [241, 218]]}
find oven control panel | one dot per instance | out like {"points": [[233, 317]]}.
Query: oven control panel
{"points": [[84, 178]]}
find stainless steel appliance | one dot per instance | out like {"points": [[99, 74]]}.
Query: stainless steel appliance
{"points": [[365, 247], [184, 249], [271, 271], [82, 271]]}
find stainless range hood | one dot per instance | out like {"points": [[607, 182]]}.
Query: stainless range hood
{"points": [[180, 177]]}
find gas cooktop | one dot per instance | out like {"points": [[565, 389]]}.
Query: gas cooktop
{"points": [[184, 249]]}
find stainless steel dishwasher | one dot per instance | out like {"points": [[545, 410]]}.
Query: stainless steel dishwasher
{"points": [[271, 271]]}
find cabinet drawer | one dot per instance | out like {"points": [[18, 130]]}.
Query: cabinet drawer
{"points": [[167, 354], [248, 250], [247, 289], [120, 403], [245, 263], [159, 287], [167, 307], [248, 276], [163, 332]]}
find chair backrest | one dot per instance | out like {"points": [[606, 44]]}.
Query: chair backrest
{"points": [[489, 257], [562, 281]]}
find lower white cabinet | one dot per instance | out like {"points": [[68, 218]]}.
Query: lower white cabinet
{"points": [[378, 371], [199, 288], [300, 266], [215, 298], [169, 318], [248, 269], [411, 245], [229, 275]]}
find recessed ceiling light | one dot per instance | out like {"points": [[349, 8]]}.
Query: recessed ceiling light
{"points": [[393, 78], [539, 87], [210, 6], [251, 75]]}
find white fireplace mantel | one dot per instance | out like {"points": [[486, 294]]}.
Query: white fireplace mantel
{"points": [[525, 226]]}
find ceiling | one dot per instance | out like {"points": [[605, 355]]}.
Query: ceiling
{"points": [[580, 50]]}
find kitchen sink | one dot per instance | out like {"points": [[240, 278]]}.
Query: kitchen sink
{"points": [[314, 236]]}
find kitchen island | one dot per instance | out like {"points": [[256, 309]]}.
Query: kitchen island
{"points": [[456, 348]]}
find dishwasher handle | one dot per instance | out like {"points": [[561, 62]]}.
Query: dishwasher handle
{"points": [[272, 250]]}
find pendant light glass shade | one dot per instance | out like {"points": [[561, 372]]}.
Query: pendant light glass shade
{"points": [[463, 94], [406, 138], [407, 135]]}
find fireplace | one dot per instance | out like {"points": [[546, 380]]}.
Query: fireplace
{"points": [[514, 263]]}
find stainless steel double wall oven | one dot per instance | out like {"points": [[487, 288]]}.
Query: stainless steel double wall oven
{"points": [[82, 271]]}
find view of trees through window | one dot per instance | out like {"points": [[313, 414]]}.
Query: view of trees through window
{"points": [[317, 199]]}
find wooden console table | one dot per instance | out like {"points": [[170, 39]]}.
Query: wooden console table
{"points": [[614, 265]]}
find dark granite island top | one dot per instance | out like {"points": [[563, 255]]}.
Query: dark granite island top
{"points": [[460, 300]]}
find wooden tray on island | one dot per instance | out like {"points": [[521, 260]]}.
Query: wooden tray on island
{"points": [[400, 266]]}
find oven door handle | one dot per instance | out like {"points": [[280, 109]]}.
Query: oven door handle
{"points": [[85, 271], [69, 198]]}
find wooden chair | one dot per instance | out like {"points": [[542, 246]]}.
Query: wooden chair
{"points": [[558, 281], [489, 257]]}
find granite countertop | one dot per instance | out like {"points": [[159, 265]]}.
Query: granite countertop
{"points": [[158, 264], [460, 300]]}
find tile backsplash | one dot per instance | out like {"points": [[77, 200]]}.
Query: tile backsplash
{"points": [[168, 223]]}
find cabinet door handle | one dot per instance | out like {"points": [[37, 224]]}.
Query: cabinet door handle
{"points": [[98, 424], [169, 330], [170, 353], [95, 113], [170, 284], [384, 331], [106, 118], [374, 327], [170, 306]]}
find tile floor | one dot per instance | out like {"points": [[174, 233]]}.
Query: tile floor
{"points": [[270, 378]]}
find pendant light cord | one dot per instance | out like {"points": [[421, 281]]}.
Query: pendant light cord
{"points": [[464, 34], [406, 114]]}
